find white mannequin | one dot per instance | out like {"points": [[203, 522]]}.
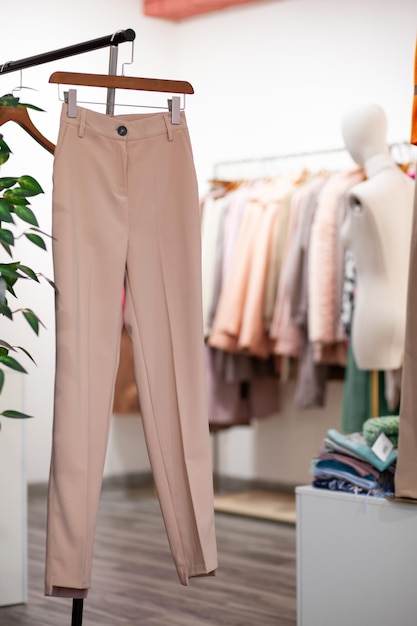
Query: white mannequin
{"points": [[378, 231]]}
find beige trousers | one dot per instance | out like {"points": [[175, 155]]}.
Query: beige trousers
{"points": [[406, 470], [126, 212]]}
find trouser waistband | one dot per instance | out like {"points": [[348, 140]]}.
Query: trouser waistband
{"points": [[125, 127]]}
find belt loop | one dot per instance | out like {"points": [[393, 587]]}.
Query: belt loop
{"points": [[169, 128], [81, 127]]}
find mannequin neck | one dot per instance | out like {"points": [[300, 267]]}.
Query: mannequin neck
{"points": [[377, 163]]}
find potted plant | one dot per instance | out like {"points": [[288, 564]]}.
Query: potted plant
{"points": [[16, 213], [17, 220]]}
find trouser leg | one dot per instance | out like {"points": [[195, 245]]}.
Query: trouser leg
{"points": [[90, 240], [163, 316]]}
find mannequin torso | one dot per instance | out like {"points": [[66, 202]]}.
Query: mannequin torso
{"points": [[378, 230]]}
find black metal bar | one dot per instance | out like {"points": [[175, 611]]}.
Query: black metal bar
{"points": [[86, 46], [77, 612]]}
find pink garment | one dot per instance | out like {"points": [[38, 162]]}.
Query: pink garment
{"points": [[228, 319], [287, 336], [239, 322], [322, 324], [253, 337]]}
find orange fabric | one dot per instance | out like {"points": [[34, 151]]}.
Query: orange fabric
{"points": [[414, 115], [181, 9], [126, 399]]}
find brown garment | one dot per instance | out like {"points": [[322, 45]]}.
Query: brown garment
{"points": [[406, 472]]}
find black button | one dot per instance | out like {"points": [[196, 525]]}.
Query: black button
{"points": [[122, 130]]}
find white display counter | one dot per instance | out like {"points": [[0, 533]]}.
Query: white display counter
{"points": [[356, 560]]}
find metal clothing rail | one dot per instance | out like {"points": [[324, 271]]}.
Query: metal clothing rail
{"points": [[406, 152], [86, 46], [277, 157]]}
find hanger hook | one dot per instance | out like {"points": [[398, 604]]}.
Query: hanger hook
{"points": [[20, 86], [114, 35], [132, 55]]}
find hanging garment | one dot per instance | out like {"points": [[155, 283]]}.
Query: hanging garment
{"points": [[125, 210], [406, 473], [322, 321], [413, 139], [286, 335], [357, 396], [228, 320], [213, 217]]}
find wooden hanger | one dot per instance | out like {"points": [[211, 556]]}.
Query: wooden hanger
{"points": [[20, 115], [122, 82]]}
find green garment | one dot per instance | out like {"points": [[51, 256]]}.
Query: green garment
{"points": [[357, 396]]}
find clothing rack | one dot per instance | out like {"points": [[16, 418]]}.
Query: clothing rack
{"points": [[266, 165], [108, 41], [118, 37], [111, 41]]}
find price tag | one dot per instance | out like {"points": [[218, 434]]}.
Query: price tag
{"points": [[382, 447]]}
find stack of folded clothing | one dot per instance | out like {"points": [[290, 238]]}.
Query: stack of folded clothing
{"points": [[348, 463]]}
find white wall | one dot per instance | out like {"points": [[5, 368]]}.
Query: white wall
{"points": [[48, 25], [270, 78], [275, 78]]}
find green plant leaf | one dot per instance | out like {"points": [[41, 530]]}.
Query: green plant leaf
{"points": [[1, 380], [27, 354], [10, 288], [16, 414], [27, 182], [26, 214], [30, 106], [6, 236], [3, 351], [9, 272], [38, 230], [7, 181], [9, 100], [7, 248], [24, 192], [28, 271], [51, 282], [5, 211], [11, 197], [38, 241], [4, 310], [4, 151], [32, 319], [12, 363]]}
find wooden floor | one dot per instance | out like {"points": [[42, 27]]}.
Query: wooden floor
{"points": [[134, 579], [268, 505]]}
